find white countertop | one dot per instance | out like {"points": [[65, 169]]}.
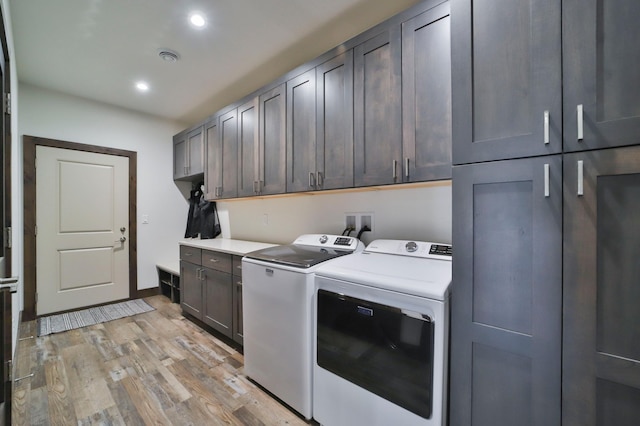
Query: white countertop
{"points": [[226, 245]]}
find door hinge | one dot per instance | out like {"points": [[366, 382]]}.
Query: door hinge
{"points": [[7, 103], [7, 237], [9, 371]]}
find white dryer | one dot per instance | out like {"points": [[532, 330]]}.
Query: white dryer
{"points": [[381, 329]]}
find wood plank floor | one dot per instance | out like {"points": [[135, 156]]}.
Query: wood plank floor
{"points": [[154, 368]]}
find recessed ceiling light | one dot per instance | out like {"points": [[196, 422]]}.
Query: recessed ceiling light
{"points": [[142, 86], [197, 20]]}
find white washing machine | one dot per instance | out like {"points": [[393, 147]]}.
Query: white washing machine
{"points": [[277, 308], [381, 328]]}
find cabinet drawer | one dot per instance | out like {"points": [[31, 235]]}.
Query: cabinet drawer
{"points": [[191, 254], [237, 266], [215, 260]]}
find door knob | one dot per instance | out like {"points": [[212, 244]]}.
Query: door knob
{"points": [[121, 240], [122, 229]]}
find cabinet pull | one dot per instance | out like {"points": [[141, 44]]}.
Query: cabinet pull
{"points": [[546, 127], [546, 180], [406, 167], [580, 114], [198, 274], [395, 169], [239, 283], [320, 180], [213, 260], [580, 178], [260, 186], [312, 180]]}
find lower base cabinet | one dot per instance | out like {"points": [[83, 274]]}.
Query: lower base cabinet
{"points": [[209, 290], [546, 295]]}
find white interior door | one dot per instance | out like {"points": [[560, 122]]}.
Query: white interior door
{"points": [[82, 218]]}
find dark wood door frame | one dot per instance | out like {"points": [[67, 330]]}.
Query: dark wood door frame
{"points": [[29, 144]]}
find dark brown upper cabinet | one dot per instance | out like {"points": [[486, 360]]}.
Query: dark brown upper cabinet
{"points": [[188, 154], [334, 122], [248, 148], [507, 79], [301, 133], [426, 96], [378, 109], [272, 141], [601, 65]]}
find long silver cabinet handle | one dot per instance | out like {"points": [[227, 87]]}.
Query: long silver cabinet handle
{"points": [[406, 167], [546, 180], [546, 127], [312, 180], [580, 117], [395, 169], [580, 178], [320, 179]]}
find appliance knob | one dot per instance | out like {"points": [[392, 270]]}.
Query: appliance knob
{"points": [[324, 239], [411, 246]]}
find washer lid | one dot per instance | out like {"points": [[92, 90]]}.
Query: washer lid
{"points": [[417, 276], [308, 250]]}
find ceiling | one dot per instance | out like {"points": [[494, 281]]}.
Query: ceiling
{"points": [[99, 49]]}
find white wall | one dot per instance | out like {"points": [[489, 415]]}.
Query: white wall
{"points": [[414, 213], [58, 116]]}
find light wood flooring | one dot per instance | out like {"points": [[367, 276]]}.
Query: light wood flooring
{"points": [[154, 368]]}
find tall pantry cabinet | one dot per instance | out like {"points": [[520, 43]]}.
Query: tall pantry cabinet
{"points": [[546, 189]]}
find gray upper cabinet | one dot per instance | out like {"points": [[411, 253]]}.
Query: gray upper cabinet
{"points": [[426, 96], [188, 154], [378, 110], [212, 171], [334, 122], [506, 73], [601, 334], [301, 133], [222, 156], [272, 141], [228, 154], [506, 318], [601, 65], [248, 148]]}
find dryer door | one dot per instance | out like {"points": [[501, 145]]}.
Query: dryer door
{"points": [[383, 349]]}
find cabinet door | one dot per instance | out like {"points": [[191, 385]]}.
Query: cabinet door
{"points": [[601, 66], [426, 96], [301, 133], [238, 327], [507, 293], [180, 156], [377, 110], [218, 299], [506, 58], [195, 143], [601, 335], [334, 138], [213, 171], [228, 154], [191, 289], [273, 142], [248, 152]]}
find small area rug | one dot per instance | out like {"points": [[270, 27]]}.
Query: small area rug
{"points": [[71, 320]]}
